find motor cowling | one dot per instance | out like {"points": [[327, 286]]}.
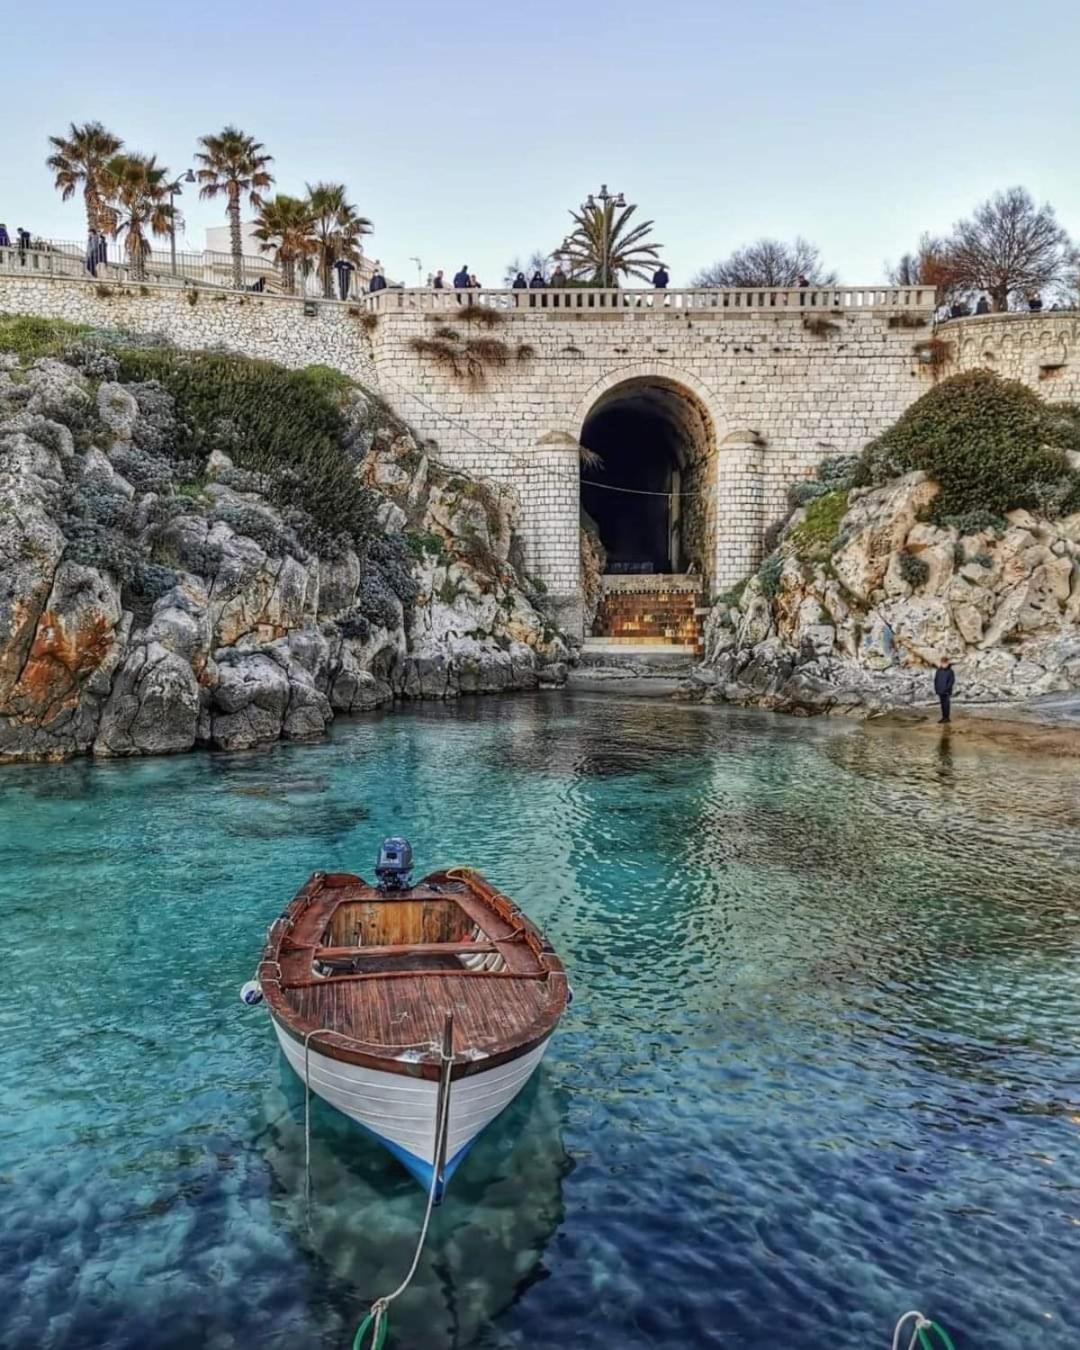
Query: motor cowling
{"points": [[394, 865]]}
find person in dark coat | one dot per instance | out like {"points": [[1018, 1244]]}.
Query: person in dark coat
{"points": [[23, 237], [378, 281], [944, 680], [520, 284], [558, 277], [660, 278], [92, 248], [102, 250], [1035, 302], [438, 284], [983, 306], [461, 279], [5, 238], [344, 269], [538, 283]]}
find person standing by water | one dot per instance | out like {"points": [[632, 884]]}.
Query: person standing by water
{"points": [[944, 682]]}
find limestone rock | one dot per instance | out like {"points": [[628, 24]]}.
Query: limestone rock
{"points": [[875, 527], [119, 410]]}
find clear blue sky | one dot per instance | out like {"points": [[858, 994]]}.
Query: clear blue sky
{"points": [[466, 130]]}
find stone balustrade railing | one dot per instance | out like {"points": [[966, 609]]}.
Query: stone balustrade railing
{"points": [[807, 299]]}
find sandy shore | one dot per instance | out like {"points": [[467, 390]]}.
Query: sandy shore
{"points": [[1047, 726]]}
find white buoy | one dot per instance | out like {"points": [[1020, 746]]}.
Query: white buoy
{"points": [[251, 993]]}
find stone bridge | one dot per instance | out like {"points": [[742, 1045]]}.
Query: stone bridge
{"points": [[702, 406]]}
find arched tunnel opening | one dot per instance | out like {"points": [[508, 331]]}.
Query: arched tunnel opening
{"points": [[645, 495]]}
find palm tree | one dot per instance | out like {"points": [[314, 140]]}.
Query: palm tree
{"points": [[233, 164], [80, 157], [285, 229], [137, 191], [338, 229], [602, 236]]}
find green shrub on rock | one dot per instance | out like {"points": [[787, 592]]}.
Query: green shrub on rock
{"points": [[286, 424], [148, 583], [914, 570], [29, 336], [815, 536], [992, 445], [975, 522], [769, 576]]}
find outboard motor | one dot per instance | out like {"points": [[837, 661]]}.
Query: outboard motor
{"points": [[394, 865]]}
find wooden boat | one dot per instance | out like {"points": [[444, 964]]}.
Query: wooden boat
{"points": [[385, 999]]}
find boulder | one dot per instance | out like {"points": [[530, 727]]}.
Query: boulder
{"points": [[153, 708], [875, 527], [118, 409]]}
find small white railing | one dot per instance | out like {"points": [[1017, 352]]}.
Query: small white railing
{"points": [[65, 258], [800, 300]]}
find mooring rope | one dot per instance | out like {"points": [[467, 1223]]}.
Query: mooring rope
{"points": [[919, 1335], [377, 1319]]}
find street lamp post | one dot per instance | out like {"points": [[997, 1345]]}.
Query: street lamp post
{"points": [[590, 205], [175, 190], [419, 272]]}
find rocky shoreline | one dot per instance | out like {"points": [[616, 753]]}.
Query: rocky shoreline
{"points": [[857, 626], [150, 603]]}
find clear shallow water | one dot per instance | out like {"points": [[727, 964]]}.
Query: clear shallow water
{"points": [[823, 1064]]}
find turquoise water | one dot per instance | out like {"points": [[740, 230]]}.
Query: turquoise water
{"points": [[822, 1065]]}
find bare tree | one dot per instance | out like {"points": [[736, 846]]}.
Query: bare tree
{"points": [[536, 262], [1009, 247], [769, 262], [930, 265]]}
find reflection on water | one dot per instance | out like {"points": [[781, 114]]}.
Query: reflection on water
{"points": [[822, 1065]]}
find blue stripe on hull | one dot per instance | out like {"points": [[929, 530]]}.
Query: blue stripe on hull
{"points": [[420, 1169]]}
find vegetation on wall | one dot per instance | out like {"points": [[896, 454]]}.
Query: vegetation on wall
{"points": [[469, 359]]}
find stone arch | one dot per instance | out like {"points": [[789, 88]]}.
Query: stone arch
{"points": [[657, 429], [645, 370]]}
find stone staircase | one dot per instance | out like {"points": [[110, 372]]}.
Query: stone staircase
{"points": [[647, 621]]}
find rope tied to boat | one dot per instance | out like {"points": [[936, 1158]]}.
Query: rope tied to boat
{"points": [[377, 1320], [920, 1334]]}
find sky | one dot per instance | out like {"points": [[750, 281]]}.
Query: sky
{"points": [[467, 131]]}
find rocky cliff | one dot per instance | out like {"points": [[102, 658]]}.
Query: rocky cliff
{"points": [[181, 564], [884, 567]]}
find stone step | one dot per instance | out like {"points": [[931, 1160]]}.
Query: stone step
{"points": [[640, 658]]}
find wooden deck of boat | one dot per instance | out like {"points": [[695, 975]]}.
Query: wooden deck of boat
{"points": [[388, 1008]]}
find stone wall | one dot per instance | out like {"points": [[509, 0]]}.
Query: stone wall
{"points": [[761, 379], [272, 327], [777, 388], [1042, 350]]}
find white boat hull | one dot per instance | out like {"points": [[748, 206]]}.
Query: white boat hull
{"points": [[400, 1110]]}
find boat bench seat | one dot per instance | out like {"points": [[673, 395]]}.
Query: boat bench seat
{"points": [[328, 955]]}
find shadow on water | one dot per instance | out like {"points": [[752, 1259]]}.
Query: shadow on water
{"points": [[486, 1245]]}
